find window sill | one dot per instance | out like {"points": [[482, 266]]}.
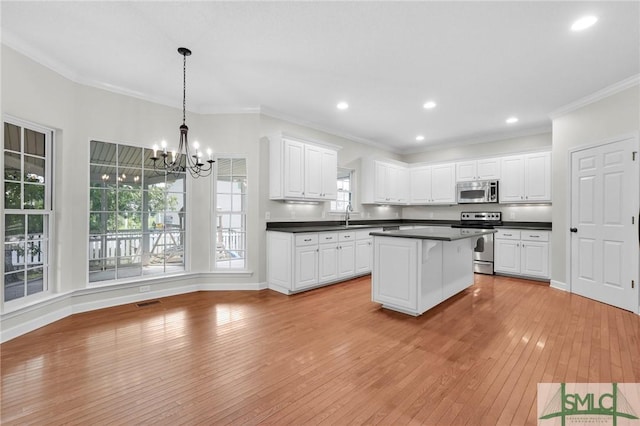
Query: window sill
{"points": [[231, 273]]}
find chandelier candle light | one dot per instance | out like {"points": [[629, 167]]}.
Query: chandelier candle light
{"points": [[192, 162]]}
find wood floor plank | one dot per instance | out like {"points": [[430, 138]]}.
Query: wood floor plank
{"points": [[327, 356]]}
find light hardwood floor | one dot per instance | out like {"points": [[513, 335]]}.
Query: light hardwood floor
{"points": [[327, 356]]}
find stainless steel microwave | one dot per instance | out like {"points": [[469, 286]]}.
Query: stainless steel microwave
{"points": [[481, 191]]}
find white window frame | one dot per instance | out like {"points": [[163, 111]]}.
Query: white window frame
{"points": [[48, 212], [214, 216], [333, 204], [184, 230]]}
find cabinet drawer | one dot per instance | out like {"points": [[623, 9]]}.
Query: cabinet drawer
{"points": [[347, 236], [534, 235], [328, 237], [306, 240], [507, 234]]}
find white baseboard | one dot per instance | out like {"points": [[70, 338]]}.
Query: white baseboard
{"points": [[559, 285], [32, 317], [34, 324], [132, 298]]}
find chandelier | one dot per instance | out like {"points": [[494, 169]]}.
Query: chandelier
{"points": [[184, 159]]}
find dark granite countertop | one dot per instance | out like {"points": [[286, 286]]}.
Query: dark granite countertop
{"points": [[328, 226], [538, 226], [442, 233]]}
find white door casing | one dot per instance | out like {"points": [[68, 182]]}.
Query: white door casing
{"points": [[603, 223]]}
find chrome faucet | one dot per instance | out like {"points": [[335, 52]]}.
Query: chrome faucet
{"points": [[346, 215]]}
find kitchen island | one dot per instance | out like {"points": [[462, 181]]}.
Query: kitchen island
{"points": [[414, 270]]}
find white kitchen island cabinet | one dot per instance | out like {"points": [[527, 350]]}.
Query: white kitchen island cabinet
{"points": [[414, 270]]}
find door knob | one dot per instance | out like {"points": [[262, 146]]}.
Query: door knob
{"points": [[573, 229]]}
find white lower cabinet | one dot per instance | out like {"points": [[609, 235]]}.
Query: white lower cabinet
{"points": [[306, 267], [522, 252], [319, 258]]}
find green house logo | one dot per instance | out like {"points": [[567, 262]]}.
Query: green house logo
{"points": [[588, 403]]}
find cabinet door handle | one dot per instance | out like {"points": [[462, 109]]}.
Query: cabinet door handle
{"points": [[573, 229], [508, 235], [307, 239], [347, 236], [534, 236]]}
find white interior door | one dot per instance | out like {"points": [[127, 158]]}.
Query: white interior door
{"points": [[604, 228]]}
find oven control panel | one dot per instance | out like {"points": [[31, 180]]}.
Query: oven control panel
{"points": [[481, 216]]}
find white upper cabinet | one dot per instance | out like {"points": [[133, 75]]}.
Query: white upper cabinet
{"points": [[320, 168], [384, 183], [526, 178], [485, 169], [301, 171], [433, 184]]}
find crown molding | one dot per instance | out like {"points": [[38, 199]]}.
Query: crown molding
{"points": [[301, 122], [484, 138], [594, 97]]}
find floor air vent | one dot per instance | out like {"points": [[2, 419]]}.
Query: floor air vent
{"points": [[147, 303]]}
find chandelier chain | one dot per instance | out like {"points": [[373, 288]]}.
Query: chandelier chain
{"points": [[184, 89]]}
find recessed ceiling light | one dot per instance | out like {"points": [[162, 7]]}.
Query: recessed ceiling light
{"points": [[419, 138], [512, 120], [429, 105], [584, 23], [342, 105]]}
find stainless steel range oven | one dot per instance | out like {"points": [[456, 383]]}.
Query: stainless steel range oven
{"points": [[483, 245]]}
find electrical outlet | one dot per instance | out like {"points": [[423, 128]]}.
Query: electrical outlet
{"points": [[267, 215], [323, 214], [145, 288], [397, 214], [368, 215], [512, 215], [430, 215]]}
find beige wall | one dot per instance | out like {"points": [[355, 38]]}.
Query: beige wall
{"points": [[485, 149], [600, 121]]}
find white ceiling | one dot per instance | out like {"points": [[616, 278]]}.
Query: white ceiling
{"points": [[480, 61]]}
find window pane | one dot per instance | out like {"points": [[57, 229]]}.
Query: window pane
{"points": [[239, 185], [12, 137], [103, 176], [129, 178], [129, 221], [14, 227], [101, 223], [12, 167], [238, 203], [98, 272], [14, 257], [103, 153], [224, 185], [34, 169], [152, 179], [34, 196], [130, 201], [12, 195], [239, 166], [224, 166], [14, 285], [176, 183], [35, 226], [102, 199], [223, 202], [129, 156], [36, 253], [34, 142], [35, 280]]}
